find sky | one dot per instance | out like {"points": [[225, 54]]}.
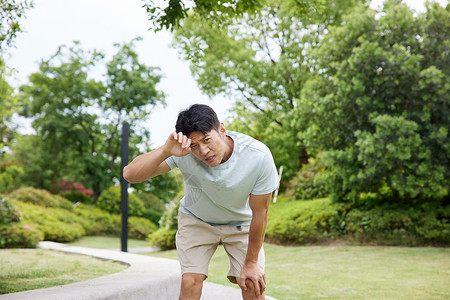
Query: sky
{"points": [[99, 24]]}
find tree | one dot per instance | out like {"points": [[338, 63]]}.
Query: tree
{"points": [[11, 11], [78, 118], [9, 104], [261, 61], [171, 14], [378, 104]]}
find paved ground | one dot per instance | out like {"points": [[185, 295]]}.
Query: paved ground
{"points": [[146, 278]]}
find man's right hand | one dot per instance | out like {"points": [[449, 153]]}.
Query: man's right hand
{"points": [[177, 144]]}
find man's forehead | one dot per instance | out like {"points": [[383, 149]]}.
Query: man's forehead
{"points": [[197, 136]]}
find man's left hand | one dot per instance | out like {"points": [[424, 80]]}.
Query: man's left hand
{"points": [[254, 272]]}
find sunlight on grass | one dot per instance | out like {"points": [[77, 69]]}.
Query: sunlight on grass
{"points": [[27, 269], [347, 272]]}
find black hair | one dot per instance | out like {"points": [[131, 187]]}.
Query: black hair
{"points": [[198, 117]]}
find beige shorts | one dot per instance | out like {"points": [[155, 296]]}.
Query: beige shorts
{"points": [[197, 241]]}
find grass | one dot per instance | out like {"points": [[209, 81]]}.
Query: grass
{"points": [[106, 242], [27, 269], [347, 272]]}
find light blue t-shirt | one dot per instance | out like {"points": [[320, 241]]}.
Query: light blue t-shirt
{"points": [[219, 195]]}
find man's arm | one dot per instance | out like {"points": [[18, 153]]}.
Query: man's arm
{"points": [[259, 205], [153, 163]]}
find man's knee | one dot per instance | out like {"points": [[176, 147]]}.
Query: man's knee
{"points": [[191, 285], [250, 293]]}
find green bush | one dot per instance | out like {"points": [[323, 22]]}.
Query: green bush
{"points": [[140, 228], [56, 224], [153, 216], [10, 175], [110, 201], [96, 221], [151, 202], [398, 226], [61, 232], [305, 222], [19, 236], [76, 196], [8, 213], [164, 237], [41, 198], [307, 184]]}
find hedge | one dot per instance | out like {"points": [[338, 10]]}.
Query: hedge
{"points": [[322, 221]]}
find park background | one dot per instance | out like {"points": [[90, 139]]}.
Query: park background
{"points": [[352, 100]]}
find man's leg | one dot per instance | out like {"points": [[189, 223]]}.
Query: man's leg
{"points": [[250, 294], [191, 286]]}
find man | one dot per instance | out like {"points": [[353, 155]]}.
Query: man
{"points": [[229, 179]]}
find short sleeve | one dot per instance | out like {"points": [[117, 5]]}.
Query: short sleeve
{"points": [[171, 163], [268, 178]]}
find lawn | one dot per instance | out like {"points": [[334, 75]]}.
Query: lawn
{"points": [[27, 269], [347, 272], [106, 242]]}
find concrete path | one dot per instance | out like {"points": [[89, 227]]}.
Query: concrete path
{"points": [[146, 278]]}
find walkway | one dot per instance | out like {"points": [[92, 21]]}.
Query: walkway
{"points": [[146, 278]]}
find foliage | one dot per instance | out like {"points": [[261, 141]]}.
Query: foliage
{"points": [[111, 201], [96, 221], [378, 103], [57, 224], [151, 201], [140, 228], [164, 237], [77, 197], [323, 221], [399, 226], [40, 197], [305, 222], [78, 118], [10, 104], [10, 176], [152, 215], [261, 62], [164, 187], [307, 183], [11, 11], [170, 15], [8, 213], [19, 236], [67, 185]]}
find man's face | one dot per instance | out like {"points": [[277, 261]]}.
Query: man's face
{"points": [[211, 148]]}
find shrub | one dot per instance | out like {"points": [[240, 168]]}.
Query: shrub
{"points": [[19, 236], [307, 184], [56, 224], [153, 216], [10, 175], [67, 186], [164, 237], [151, 202], [41, 198], [61, 232], [399, 226], [305, 222], [8, 213], [140, 228], [96, 221], [77, 197], [110, 201]]}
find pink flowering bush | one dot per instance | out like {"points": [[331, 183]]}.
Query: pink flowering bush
{"points": [[67, 185], [20, 236]]}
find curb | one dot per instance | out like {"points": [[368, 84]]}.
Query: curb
{"points": [[146, 278]]}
